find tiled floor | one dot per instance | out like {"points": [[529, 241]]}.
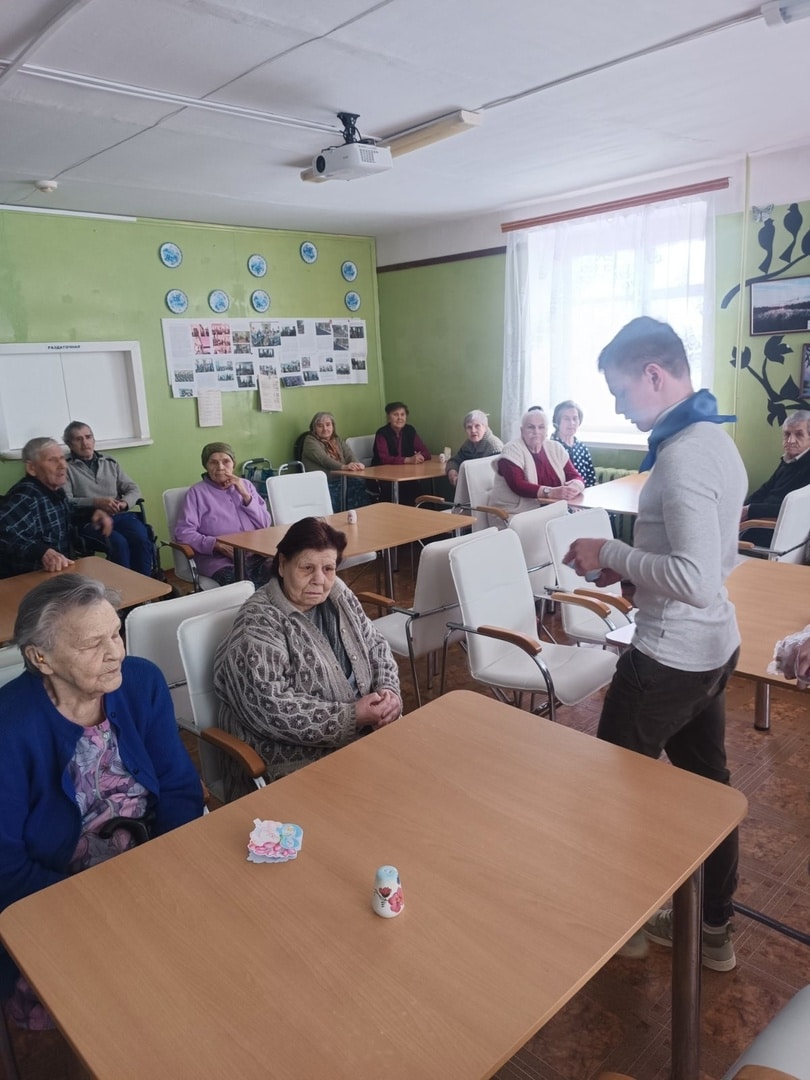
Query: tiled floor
{"points": [[620, 1021]]}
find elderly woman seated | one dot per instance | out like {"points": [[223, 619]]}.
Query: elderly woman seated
{"points": [[91, 761], [480, 442], [532, 468], [567, 417], [303, 670], [220, 504], [325, 451]]}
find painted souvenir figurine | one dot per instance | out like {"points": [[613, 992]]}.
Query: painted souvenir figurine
{"points": [[387, 897]]}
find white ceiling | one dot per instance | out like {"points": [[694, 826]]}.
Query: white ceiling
{"points": [[739, 90]]}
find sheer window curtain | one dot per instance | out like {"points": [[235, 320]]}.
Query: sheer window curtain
{"points": [[571, 285]]}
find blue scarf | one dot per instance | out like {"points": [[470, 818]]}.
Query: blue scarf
{"points": [[697, 408]]}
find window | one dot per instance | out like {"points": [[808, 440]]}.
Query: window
{"points": [[572, 285]]}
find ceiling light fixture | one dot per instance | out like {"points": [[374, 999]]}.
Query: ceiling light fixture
{"points": [[778, 12]]}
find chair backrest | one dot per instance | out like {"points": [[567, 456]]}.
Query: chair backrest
{"points": [[362, 446], [198, 639], [561, 532], [530, 527], [493, 589], [298, 496], [151, 631], [476, 481], [435, 589], [172, 506], [792, 527], [11, 664]]}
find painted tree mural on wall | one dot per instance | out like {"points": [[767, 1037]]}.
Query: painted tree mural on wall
{"points": [[786, 397]]}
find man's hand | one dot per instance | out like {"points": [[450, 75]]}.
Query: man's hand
{"points": [[103, 522], [110, 506], [54, 560]]}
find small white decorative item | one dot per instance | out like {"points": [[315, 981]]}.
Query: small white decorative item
{"points": [[176, 301], [260, 301], [448, 452], [386, 899], [219, 301], [352, 301], [257, 265], [349, 271], [308, 251], [442, 458], [170, 255], [351, 517], [274, 841]]}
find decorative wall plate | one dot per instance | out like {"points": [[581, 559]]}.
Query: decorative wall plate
{"points": [[349, 271], [170, 255], [219, 301], [352, 301], [260, 301], [257, 265], [309, 253], [176, 301]]}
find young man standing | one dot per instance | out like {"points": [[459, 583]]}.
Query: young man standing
{"points": [[668, 692]]}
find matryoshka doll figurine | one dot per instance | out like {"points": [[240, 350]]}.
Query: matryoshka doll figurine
{"points": [[387, 898]]}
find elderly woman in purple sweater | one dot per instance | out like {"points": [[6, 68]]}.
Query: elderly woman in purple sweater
{"points": [[221, 503]]}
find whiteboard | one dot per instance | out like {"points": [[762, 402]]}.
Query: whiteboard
{"points": [[44, 386]]}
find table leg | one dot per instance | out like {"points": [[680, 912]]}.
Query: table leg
{"points": [[389, 572], [394, 563], [686, 962], [762, 706], [239, 564]]}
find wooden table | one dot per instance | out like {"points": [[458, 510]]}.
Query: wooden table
{"points": [[134, 588], [379, 527], [400, 474], [528, 854], [618, 496]]}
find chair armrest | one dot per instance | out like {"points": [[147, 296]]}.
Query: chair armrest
{"points": [[183, 548], [757, 523], [618, 602], [495, 511], [588, 602], [529, 645], [435, 500], [375, 598], [745, 545], [235, 748], [762, 1072]]}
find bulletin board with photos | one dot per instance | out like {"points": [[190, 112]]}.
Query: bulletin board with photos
{"points": [[231, 354]]}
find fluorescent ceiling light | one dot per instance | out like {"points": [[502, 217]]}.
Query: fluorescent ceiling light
{"points": [[776, 12], [443, 127]]}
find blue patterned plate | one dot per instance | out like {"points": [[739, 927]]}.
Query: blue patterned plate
{"points": [[176, 301], [349, 271], [170, 255], [260, 301], [219, 301], [257, 265], [352, 301], [309, 253]]}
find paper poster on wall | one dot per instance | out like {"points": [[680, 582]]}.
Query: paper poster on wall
{"points": [[231, 354]]}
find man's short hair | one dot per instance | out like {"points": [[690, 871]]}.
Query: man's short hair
{"points": [[645, 341], [73, 428], [801, 416], [34, 447]]}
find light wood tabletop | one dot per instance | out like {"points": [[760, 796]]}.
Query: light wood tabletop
{"points": [[379, 527], [618, 496], [528, 854], [400, 474], [134, 588]]}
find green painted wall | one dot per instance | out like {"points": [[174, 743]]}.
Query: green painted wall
{"points": [[77, 279], [442, 339]]}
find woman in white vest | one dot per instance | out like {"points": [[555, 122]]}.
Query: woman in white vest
{"points": [[533, 468]]}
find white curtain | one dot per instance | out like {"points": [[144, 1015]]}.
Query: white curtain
{"points": [[571, 285]]}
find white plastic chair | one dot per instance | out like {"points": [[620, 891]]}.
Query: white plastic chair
{"points": [[783, 1045], [497, 607], [476, 481], [530, 527], [578, 622], [362, 446], [11, 664], [198, 639], [301, 495], [790, 533], [420, 630], [151, 632], [185, 566]]}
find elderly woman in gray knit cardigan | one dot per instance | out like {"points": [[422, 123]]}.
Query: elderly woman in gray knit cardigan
{"points": [[303, 671]]}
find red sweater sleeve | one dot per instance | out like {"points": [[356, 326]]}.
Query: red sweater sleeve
{"points": [[516, 481], [420, 448], [571, 472]]}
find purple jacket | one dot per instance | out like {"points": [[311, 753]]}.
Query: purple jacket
{"points": [[210, 511]]}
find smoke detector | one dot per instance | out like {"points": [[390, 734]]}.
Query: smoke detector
{"points": [[46, 186]]}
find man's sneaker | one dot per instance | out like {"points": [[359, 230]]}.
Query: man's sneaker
{"points": [[718, 950]]}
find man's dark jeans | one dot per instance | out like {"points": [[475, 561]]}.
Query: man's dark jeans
{"points": [[650, 707]]}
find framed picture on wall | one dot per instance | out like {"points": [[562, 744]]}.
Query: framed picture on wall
{"points": [[806, 370], [780, 307]]}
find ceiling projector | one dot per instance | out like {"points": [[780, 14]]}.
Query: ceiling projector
{"points": [[351, 161]]}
